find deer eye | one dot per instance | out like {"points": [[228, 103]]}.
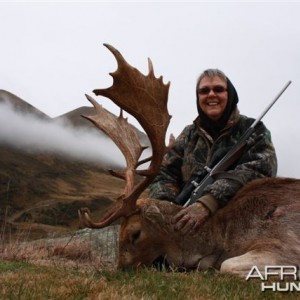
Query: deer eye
{"points": [[135, 236]]}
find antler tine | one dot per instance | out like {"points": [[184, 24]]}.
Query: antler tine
{"points": [[145, 98], [86, 221], [150, 66]]}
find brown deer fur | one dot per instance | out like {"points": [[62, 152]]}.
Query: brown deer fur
{"points": [[260, 226]]}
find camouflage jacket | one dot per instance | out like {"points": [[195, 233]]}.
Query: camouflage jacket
{"points": [[194, 149]]}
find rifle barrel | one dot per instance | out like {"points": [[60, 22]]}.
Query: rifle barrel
{"points": [[271, 104]]}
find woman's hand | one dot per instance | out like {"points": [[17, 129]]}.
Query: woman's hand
{"points": [[190, 219]]}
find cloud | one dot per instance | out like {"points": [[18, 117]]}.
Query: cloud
{"points": [[29, 132]]}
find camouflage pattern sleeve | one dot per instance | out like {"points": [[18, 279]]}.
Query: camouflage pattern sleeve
{"points": [[259, 161]]}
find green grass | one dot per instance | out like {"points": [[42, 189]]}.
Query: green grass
{"points": [[20, 280]]}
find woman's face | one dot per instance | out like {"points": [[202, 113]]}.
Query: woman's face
{"points": [[213, 96]]}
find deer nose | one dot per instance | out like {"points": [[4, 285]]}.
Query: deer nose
{"points": [[124, 260]]}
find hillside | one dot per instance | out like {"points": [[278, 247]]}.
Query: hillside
{"points": [[73, 117], [21, 105], [42, 191], [48, 190]]}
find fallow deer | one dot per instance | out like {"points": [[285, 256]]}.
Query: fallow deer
{"points": [[260, 226]]}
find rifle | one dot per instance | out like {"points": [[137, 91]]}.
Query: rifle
{"points": [[193, 190]]}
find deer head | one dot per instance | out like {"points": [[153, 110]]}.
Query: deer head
{"points": [[145, 98]]}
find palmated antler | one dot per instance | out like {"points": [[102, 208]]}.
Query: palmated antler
{"points": [[145, 98]]}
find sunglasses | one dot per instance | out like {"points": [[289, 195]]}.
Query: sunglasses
{"points": [[218, 89]]}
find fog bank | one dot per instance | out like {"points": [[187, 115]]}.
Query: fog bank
{"points": [[32, 133]]}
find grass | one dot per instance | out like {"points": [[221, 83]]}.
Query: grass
{"points": [[21, 280], [71, 269]]}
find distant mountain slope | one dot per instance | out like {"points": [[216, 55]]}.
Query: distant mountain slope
{"points": [[74, 117], [46, 189], [21, 105], [42, 190]]}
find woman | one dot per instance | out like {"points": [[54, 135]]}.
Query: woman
{"points": [[217, 128]]}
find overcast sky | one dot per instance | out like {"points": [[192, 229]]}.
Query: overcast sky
{"points": [[52, 53]]}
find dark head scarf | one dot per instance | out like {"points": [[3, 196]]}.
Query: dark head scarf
{"points": [[214, 127]]}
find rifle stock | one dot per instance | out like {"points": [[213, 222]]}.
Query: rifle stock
{"points": [[194, 190]]}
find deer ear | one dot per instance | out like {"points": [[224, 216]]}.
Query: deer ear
{"points": [[152, 213]]}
